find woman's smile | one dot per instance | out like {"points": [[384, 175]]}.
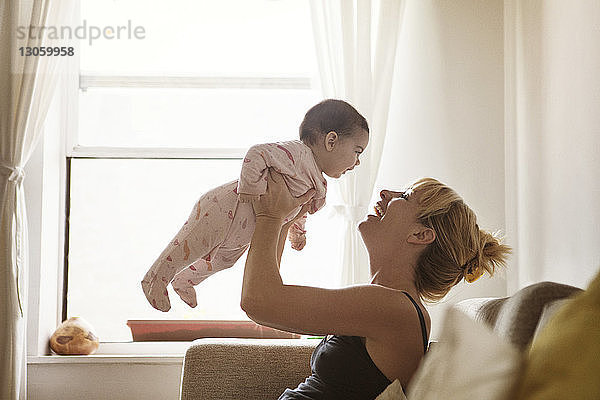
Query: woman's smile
{"points": [[379, 211]]}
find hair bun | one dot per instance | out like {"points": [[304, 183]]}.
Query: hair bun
{"points": [[492, 253]]}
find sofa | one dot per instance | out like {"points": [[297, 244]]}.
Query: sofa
{"points": [[262, 368]]}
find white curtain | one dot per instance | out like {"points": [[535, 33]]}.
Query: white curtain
{"points": [[552, 59], [27, 85], [356, 51]]}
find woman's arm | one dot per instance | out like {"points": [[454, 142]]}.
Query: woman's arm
{"points": [[267, 245], [363, 310], [281, 243], [285, 232]]}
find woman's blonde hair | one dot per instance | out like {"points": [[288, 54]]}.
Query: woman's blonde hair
{"points": [[460, 250]]}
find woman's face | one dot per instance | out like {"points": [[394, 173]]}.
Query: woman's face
{"points": [[394, 218]]}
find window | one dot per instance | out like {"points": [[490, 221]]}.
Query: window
{"points": [[164, 118]]}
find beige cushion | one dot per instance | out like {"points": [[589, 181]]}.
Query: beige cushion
{"points": [[469, 362], [392, 392], [249, 369]]}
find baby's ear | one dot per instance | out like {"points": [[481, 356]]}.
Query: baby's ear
{"points": [[331, 139]]}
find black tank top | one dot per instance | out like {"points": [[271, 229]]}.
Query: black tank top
{"points": [[342, 369]]}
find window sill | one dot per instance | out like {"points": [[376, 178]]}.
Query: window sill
{"points": [[134, 353], [123, 353], [141, 353], [107, 360]]}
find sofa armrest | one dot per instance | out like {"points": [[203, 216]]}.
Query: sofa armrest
{"points": [[244, 368], [516, 317]]}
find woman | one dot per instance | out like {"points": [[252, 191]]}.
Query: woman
{"points": [[421, 243]]}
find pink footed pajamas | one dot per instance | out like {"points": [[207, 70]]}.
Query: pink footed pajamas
{"points": [[220, 226]]}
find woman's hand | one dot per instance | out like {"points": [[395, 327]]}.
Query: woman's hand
{"points": [[261, 275], [278, 202]]}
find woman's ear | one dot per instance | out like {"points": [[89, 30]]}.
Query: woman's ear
{"points": [[422, 235], [331, 140]]}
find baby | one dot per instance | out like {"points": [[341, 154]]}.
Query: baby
{"points": [[219, 229]]}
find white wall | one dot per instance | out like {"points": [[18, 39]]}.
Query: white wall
{"points": [[110, 378], [447, 113], [554, 140]]}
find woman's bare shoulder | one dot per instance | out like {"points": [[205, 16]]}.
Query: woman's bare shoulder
{"points": [[397, 349], [401, 315]]}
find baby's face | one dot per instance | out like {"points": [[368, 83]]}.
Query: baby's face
{"points": [[345, 153]]}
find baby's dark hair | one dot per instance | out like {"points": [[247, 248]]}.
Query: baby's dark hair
{"points": [[331, 115]]}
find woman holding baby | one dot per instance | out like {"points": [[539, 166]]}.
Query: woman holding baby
{"points": [[421, 242]]}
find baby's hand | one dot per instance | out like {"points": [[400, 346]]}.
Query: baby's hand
{"points": [[298, 242], [247, 198]]}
